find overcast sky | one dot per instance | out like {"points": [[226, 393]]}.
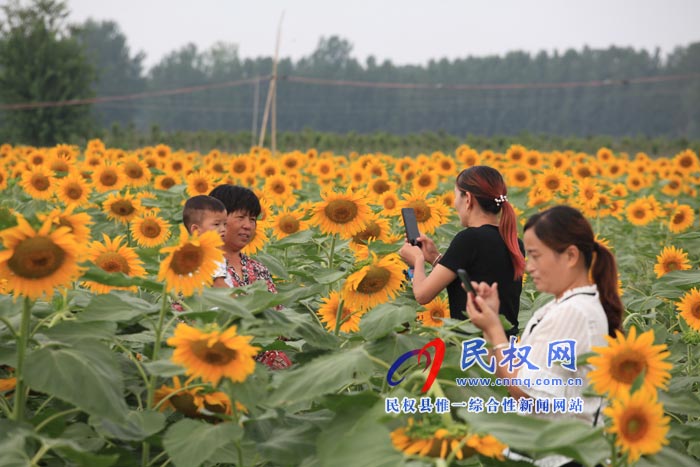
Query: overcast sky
{"points": [[405, 31]]}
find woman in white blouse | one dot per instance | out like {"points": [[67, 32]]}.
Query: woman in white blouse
{"points": [[563, 259]]}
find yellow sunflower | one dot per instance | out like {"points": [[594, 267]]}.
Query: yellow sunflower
{"points": [[166, 181], [687, 161], [390, 203], [421, 440], [555, 182], [258, 240], [341, 213], [689, 308], [430, 212], [377, 228], [113, 257], [38, 182], [200, 183], [671, 259], [638, 423], [639, 212], [681, 218], [379, 186], [195, 402], [374, 284], [588, 193], [37, 262], [73, 189], [136, 172], [617, 366], [349, 317], [435, 312], [78, 224], [149, 230], [279, 190], [213, 355], [425, 181], [519, 177], [191, 263], [107, 177], [673, 186], [467, 156], [516, 154], [122, 208], [287, 222], [8, 384]]}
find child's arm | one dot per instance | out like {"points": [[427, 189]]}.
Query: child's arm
{"points": [[220, 282]]}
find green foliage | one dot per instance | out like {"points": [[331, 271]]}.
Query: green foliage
{"points": [[39, 62]]}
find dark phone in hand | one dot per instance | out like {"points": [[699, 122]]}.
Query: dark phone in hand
{"points": [[464, 277], [411, 225]]}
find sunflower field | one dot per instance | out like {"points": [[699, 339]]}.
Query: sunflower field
{"points": [[98, 368]]}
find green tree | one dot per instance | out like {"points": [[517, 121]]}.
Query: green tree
{"points": [[41, 62], [118, 71]]}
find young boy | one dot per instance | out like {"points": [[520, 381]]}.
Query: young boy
{"points": [[204, 213]]}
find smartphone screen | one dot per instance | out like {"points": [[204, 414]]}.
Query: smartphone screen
{"points": [[464, 277], [411, 225]]}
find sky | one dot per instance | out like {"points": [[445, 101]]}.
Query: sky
{"points": [[405, 32]]}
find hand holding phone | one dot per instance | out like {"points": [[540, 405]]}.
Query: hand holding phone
{"points": [[464, 277], [411, 225]]}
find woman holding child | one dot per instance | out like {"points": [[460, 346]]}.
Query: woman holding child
{"points": [[488, 249], [243, 208]]}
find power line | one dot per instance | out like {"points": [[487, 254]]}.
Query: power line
{"points": [[361, 84]]}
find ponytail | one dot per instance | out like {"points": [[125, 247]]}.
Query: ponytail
{"points": [[489, 190], [508, 229], [604, 272]]}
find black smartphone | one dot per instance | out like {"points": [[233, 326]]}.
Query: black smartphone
{"points": [[411, 225], [464, 277]]}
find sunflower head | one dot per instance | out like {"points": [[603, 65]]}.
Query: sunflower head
{"points": [[375, 283], [618, 366], [214, 354], [638, 423], [190, 264], [35, 263], [689, 308]]}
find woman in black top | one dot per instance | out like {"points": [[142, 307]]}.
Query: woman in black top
{"points": [[488, 249]]}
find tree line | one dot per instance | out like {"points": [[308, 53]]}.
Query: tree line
{"points": [[42, 58]]}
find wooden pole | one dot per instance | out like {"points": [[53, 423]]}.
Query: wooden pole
{"points": [[256, 101], [270, 96]]}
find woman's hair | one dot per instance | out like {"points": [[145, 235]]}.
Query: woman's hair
{"points": [[487, 186], [562, 226], [237, 198]]}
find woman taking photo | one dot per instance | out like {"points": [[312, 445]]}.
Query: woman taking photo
{"points": [[564, 260], [488, 249]]}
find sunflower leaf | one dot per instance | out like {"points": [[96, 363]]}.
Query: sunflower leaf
{"points": [[384, 319], [190, 443], [85, 374], [137, 426], [323, 375]]}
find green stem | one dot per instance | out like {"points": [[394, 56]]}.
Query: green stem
{"points": [[39, 454], [332, 252], [158, 457], [156, 345], [151, 389], [313, 313], [9, 327], [54, 417], [453, 454], [43, 405], [338, 315], [20, 390], [5, 407]]}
